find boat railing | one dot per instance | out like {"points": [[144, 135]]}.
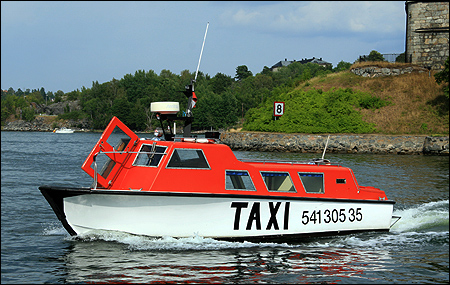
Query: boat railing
{"points": [[317, 161]]}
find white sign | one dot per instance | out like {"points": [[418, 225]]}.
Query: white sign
{"points": [[278, 109]]}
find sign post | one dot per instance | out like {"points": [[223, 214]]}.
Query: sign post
{"points": [[278, 109]]}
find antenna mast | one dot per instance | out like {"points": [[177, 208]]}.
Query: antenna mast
{"points": [[201, 52], [325, 149]]}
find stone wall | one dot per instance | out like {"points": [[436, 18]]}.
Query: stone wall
{"points": [[376, 144], [375, 71], [427, 33]]}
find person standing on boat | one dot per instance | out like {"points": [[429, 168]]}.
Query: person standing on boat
{"points": [[157, 135]]}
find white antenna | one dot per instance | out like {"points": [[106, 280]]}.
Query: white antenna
{"points": [[323, 155], [201, 52]]}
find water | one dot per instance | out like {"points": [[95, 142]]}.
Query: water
{"points": [[37, 249]]}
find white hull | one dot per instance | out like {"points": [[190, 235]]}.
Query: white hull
{"points": [[222, 217], [64, 131]]}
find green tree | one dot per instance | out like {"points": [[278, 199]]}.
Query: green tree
{"points": [[442, 77], [375, 56], [242, 72], [401, 57], [58, 96], [342, 65], [72, 96], [220, 82], [28, 114], [42, 92]]}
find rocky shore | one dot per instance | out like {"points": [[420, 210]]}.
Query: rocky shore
{"points": [[45, 124], [338, 143]]}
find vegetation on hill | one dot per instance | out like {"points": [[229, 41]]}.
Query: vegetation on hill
{"points": [[317, 99]]}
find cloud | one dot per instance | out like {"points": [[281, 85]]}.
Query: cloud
{"points": [[68, 44], [317, 18]]}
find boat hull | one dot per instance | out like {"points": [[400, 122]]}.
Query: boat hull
{"points": [[232, 217]]}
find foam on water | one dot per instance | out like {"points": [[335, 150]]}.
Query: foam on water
{"points": [[54, 229], [423, 217], [136, 242]]}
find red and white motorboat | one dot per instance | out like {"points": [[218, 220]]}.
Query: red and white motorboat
{"points": [[187, 186]]}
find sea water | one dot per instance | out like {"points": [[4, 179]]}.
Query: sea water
{"points": [[37, 249]]}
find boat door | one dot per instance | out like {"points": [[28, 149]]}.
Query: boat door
{"points": [[110, 153]]}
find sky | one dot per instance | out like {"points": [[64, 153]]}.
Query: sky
{"points": [[64, 45]]}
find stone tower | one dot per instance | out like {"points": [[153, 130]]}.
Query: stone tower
{"points": [[427, 33]]}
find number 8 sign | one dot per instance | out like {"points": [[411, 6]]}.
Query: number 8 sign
{"points": [[278, 109]]}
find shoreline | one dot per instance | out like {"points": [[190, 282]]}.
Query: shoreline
{"points": [[310, 143], [338, 143]]}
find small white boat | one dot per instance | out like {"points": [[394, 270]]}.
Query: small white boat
{"points": [[63, 130]]}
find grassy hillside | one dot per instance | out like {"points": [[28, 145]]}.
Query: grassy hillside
{"points": [[418, 105]]}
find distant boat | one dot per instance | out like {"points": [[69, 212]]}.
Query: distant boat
{"points": [[63, 130]]}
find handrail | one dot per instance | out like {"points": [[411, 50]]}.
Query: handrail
{"points": [[292, 162], [134, 152], [95, 170]]}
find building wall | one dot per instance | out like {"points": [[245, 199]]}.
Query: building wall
{"points": [[427, 33]]}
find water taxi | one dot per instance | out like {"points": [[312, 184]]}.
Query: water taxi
{"points": [[190, 186]]}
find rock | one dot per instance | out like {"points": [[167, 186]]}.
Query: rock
{"points": [[376, 144]]}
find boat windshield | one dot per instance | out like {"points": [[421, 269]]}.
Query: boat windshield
{"points": [[188, 158], [109, 164], [150, 155]]}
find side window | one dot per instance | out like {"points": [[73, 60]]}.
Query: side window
{"points": [[188, 158], [150, 155], [278, 181], [238, 180], [312, 182]]}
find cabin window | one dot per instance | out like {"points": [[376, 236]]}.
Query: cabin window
{"points": [[119, 140], [312, 182], [278, 181], [150, 155], [108, 164], [238, 180], [188, 158]]}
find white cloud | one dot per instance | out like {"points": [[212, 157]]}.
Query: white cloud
{"points": [[315, 17], [68, 44]]}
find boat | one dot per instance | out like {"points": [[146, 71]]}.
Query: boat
{"points": [[194, 186], [63, 130]]}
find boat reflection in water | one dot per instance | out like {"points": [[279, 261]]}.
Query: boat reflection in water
{"points": [[137, 259]]}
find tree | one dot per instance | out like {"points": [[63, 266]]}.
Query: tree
{"points": [[242, 72], [28, 114], [442, 77], [401, 57], [42, 91], [342, 65], [220, 82], [375, 56], [266, 71], [58, 96]]}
